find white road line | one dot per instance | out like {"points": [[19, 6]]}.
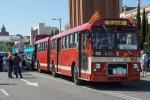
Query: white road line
{"points": [[4, 92], [30, 83], [126, 97], [114, 94]]}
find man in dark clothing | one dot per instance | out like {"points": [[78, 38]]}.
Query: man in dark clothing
{"points": [[1, 65], [16, 62]]}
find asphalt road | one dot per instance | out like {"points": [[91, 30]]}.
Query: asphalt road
{"points": [[42, 86]]}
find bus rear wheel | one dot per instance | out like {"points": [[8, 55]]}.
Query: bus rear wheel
{"points": [[53, 71], [76, 79], [38, 67]]}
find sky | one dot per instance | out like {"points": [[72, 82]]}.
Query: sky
{"points": [[19, 16]]}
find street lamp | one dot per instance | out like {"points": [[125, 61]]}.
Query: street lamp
{"points": [[59, 19]]}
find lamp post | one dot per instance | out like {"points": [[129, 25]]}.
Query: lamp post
{"points": [[59, 19]]}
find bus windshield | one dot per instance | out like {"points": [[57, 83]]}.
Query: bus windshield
{"points": [[103, 40], [127, 41]]}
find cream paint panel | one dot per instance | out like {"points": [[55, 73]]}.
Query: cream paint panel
{"points": [[68, 68], [43, 64]]}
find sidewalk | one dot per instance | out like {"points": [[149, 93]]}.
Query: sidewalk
{"points": [[147, 78]]}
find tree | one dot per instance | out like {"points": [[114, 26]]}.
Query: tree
{"points": [[144, 31], [148, 34], [6, 46], [138, 17]]}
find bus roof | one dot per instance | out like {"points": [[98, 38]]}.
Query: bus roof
{"points": [[87, 26], [82, 27], [42, 40]]}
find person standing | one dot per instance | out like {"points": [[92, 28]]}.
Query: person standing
{"points": [[1, 63], [144, 62], [17, 67], [10, 66]]}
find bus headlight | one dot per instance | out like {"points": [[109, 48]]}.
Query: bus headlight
{"points": [[98, 66], [135, 66]]}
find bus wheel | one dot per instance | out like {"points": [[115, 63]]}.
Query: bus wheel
{"points": [[53, 71], [38, 67], [76, 76]]}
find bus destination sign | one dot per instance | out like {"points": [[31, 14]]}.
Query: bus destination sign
{"points": [[116, 22]]}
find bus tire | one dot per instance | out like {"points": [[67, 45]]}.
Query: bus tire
{"points": [[53, 71], [38, 67], [76, 79]]}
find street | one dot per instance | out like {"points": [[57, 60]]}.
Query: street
{"points": [[42, 86]]}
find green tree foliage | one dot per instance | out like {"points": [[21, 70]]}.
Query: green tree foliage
{"points": [[138, 17], [6, 46], [148, 36], [144, 27]]}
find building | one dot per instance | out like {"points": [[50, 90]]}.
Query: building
{"points": [[80, 11], [4, 32], [4, 35], [41, 29], [133, 12]]}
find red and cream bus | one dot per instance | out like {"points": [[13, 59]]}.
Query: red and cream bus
{"points": [[102, 51], [42, 54]]}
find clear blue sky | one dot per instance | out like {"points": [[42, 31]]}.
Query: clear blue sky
{"points": [[20, 15]]}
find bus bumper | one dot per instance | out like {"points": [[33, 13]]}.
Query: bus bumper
{"points": [[114, 78]]}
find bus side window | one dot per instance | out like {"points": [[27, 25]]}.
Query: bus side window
{"points": [[52, 45], [62, 42], [65, 42], [76, 40], [37, 47], [69, 44], [73, 40], [55, 44], [40, 47]]}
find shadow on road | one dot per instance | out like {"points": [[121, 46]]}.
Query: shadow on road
{"points": [[138, 86], [26, 74], [8, 84]]}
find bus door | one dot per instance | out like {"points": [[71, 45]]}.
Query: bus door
{"points": [[48, 55], [35, 57], [83, 53], [58, 53]]}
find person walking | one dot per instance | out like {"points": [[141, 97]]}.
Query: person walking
{"points": [[10, 65], [17, 67], [144, 62]]}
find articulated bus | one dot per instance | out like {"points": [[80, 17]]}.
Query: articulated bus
{"points": [[106, 50]]}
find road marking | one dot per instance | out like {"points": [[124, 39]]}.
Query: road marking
{"points": [[126, 97], [4, 92], [30, 83], [114, 94]]}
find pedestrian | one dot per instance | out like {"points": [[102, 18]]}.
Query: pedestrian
{"points": [[1, 63], [5, 63], [10, 65], [144, 62], [17, 67], [23, 64]]}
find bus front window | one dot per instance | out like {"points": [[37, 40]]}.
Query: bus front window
{"points": [[103, 40], [127, 41]]}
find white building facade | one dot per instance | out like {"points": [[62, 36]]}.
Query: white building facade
{"points": [[132, 13], [40, 29]]}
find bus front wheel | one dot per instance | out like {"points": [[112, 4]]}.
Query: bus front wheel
{"points": [[76, 76], [53, 71]]}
